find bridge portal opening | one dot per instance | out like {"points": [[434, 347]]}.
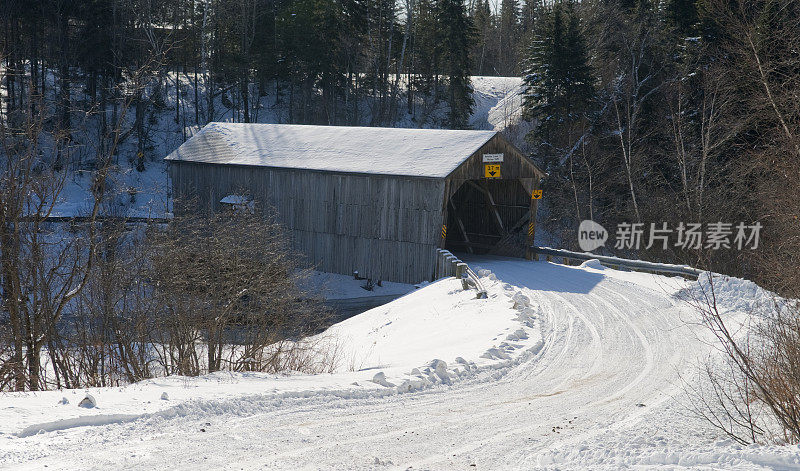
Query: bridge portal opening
{"points": [[488, 217]]}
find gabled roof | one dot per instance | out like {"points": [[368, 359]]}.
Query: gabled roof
{"points": [[384, 151]]}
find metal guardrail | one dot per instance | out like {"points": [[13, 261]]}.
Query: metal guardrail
{"points": [[614, 262], [448, 264]]}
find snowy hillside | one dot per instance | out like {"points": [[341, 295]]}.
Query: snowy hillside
{"points": [[143, 194], [498, 103], [561, 367]]}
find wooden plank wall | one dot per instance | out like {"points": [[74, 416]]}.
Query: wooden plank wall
{"points": [[514, 165], [515, 169], [386, 227]]}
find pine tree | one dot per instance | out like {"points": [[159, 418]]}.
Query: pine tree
{"points": [[528, 16], [482, 19], [426, 49], [682, 15], [509, 36], [457, 32], [540, 78], [558, 80]]}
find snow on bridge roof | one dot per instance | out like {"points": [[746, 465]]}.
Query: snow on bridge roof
{"points": [[384, 151]]}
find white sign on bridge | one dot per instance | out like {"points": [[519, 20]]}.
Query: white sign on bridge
{"points": [[493, 157]]}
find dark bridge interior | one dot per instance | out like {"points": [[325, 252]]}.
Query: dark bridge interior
{"points": [[488, 217]]}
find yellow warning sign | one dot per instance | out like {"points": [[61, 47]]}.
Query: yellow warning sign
{"points": [[492, 171], [536, 195]]}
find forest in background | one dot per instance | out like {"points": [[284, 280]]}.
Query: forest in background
{"points": [[673, 112], [646, 111]]}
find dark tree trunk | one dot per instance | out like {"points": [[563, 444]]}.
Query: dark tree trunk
{"points": [[140, 137]]}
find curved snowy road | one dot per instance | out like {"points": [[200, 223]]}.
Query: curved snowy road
{"points": [[599, 393]]}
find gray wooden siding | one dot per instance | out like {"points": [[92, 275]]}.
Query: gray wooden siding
{"points": [[386, 227], [514, 164]]}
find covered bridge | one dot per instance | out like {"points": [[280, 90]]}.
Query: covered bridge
{"points": [[374, 200]]}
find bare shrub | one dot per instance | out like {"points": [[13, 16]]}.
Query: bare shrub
{"points": [[227, 286], [198, 295], [755, 388]]}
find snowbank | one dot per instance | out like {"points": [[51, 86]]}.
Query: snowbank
{"points": [[441, 324], [730, 294], [437, 335]]}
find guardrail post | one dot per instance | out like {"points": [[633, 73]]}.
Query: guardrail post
{"points": [[448, 264], [450, 270], [461, 268], [461, 272]]}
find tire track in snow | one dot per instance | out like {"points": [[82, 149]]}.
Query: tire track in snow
{"points": [[567, 313], [621, 308], [639, 334], [598, 358]]}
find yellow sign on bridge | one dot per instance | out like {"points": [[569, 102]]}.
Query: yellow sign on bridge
{"points": [[492, 171]]}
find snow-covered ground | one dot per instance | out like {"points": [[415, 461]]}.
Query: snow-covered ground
{"points": [[560, 368], [498, 103], [335, 286]]}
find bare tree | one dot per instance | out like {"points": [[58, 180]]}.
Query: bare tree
{"points": [[633, 88], [759, 55], [42, 269], [759, 384], [41, 272], [106, 340], [701, 135]]}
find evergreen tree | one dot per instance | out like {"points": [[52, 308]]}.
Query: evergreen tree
{"points": [[312, 48], [509, 36], [426, 49], [457, 32], [528, 16], [482, 19], [682, 16], [558, 80]]}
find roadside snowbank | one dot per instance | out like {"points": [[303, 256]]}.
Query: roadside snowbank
{"points": [[731, 294], [439, 334]]}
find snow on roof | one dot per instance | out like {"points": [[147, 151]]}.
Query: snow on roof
{"points": [[385, 151]]}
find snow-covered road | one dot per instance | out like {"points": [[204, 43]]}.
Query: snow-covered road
{"points": [[603, 391]]}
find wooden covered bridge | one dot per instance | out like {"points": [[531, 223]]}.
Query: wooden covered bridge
{"points": [[374, 200]]}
